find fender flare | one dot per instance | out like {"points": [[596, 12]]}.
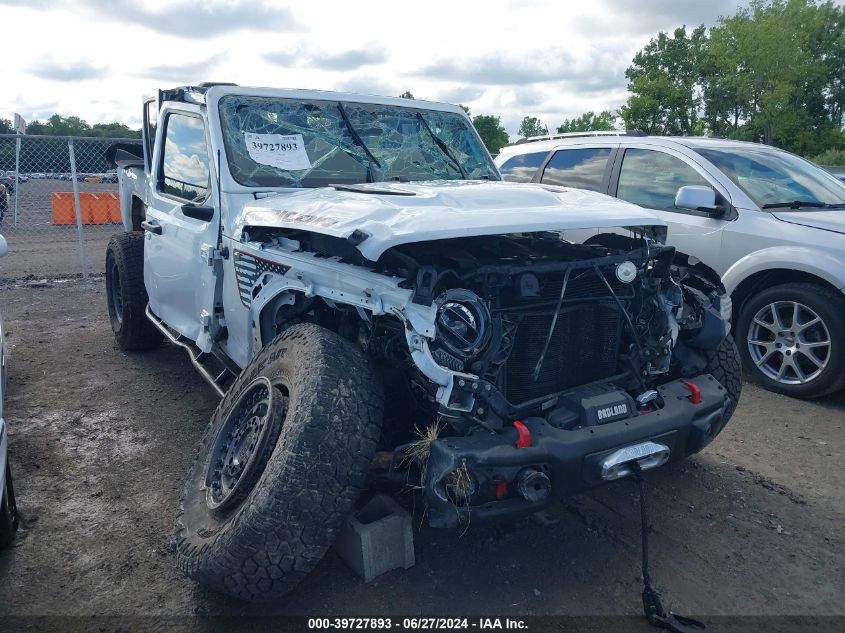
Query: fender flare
{"points": [[821, 264]]}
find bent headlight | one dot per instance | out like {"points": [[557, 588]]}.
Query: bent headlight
{"points": [[462, 324]]}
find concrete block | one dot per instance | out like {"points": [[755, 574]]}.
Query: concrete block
{"points": [[377, 538]]}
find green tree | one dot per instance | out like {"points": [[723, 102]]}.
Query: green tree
{"points": [[532, 126], [6, 127], [831, 157], [70, 126], [774, 71], [664, 80], [36, 128], [58, 125], [465, 109], [406, 95], [777, 72], [491, 131], [114, 130], [589, 122]]}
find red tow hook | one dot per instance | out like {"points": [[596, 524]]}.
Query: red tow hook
{"points": [[694, 392], [524, 440]]}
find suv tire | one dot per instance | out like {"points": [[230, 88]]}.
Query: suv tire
{"points": [[792, 339], [8, 511], [252, 523], [724, 365], [126, 294]]}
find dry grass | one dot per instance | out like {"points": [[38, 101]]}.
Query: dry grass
{"points": [[418, 452], [461, 480], [420, 449], [461, 485]]}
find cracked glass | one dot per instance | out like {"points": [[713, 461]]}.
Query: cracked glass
{"points": [[349, 143]]}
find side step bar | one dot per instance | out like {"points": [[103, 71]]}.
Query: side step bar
{"points": [[199, 358]]}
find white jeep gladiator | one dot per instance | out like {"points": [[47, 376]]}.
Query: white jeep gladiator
{"points": [[375, 306]]}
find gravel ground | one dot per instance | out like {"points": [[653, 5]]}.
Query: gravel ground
{"points": [[100, 441]]}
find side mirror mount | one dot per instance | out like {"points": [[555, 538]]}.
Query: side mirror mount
{"points": [[698, 198], [196, 212], [4, 247]]}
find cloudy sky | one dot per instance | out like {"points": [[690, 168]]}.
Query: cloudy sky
{"points": [[546, 58]]}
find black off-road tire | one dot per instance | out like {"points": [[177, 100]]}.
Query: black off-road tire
{"points": [[827, 304], [263, 544], [8, 511], [724, 365], [126, 294]]}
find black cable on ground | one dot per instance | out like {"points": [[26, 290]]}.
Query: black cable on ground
{"points": [[652, 607]]}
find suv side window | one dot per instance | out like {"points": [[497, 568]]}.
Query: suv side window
{"points": [[184, 166], [651, 179], [522, 168], [582, 168]]}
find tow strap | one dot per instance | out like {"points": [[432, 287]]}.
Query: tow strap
{"points": [[652, 607]]}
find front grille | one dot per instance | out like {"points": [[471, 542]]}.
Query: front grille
{"points": [[583, 283], [584, 347]]}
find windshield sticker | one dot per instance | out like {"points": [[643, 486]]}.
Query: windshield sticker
{"points": [[278, 150]]}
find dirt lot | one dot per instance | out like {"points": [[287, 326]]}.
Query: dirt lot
{"points": [[100, 441]]}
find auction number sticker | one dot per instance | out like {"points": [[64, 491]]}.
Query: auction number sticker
{"points": [[278, 150]]}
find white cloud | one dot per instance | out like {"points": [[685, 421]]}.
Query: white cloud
{"points": [[542, 58]]}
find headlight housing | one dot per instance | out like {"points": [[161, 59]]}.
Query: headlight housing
{"points": [[462, 323]]}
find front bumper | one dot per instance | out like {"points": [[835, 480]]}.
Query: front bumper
{"points": [[491, 464]]}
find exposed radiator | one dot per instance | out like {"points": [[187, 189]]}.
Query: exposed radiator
{"points": [[583, 348]]}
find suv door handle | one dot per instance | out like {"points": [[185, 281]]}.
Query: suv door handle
{"points": [[151, 227]]}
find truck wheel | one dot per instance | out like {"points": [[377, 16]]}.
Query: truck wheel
{"points": [[281, 464], [8, 512], [724, 365], [126, 294], [793, 339]]}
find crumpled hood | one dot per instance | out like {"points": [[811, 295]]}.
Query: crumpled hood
{"points": [[832, 220], [398, 213]]}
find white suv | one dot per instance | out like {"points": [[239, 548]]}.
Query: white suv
{"points": [[770, 223]]}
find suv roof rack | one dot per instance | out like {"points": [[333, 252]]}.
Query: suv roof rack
{"points": [[550, 137]]}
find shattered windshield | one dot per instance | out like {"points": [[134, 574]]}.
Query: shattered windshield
{"points": [[274, 142]]}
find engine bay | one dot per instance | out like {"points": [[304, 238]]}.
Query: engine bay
{"points": [[527, 318]]}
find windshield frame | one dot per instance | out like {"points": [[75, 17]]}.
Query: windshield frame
{"points": [[481, 159], [711, 152]]}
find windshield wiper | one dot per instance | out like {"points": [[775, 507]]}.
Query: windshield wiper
{"points": [[798, 204], [357, 138], [443, 147]]}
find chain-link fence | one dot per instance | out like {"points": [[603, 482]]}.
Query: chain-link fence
{"points": [[60, 205]]}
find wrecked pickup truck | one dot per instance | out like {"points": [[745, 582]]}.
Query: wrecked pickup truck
{"points": [[376, 308]]}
